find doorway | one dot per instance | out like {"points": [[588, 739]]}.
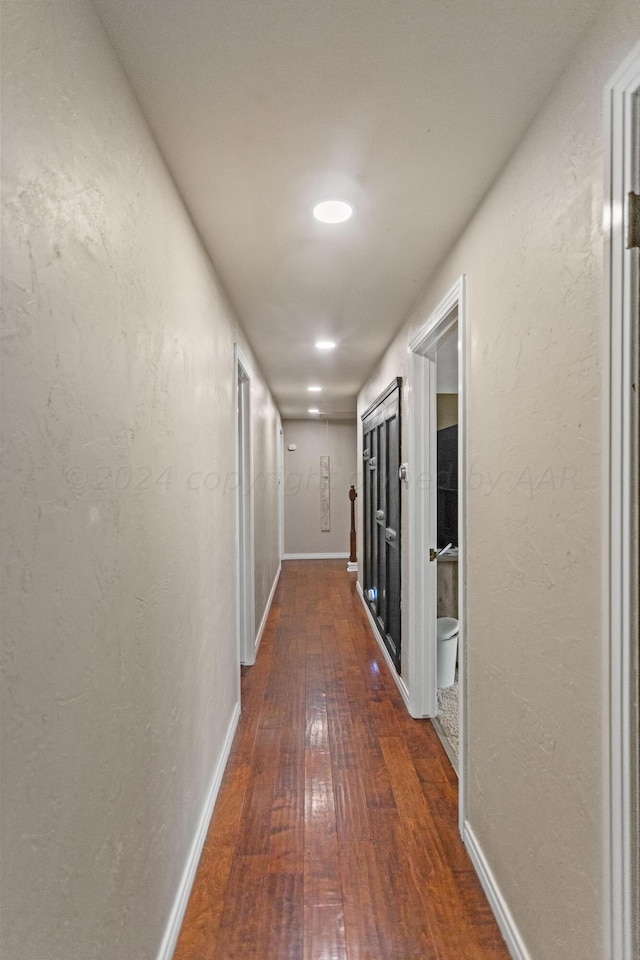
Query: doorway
{"points": [[244, 513], [446, 324], [447, 719]]}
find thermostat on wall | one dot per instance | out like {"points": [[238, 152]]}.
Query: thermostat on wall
{"points": [[291, 446]]}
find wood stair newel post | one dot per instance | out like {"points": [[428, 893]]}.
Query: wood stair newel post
{"points": [[352, 496]]}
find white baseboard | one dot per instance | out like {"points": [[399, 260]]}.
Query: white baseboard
{"points": [[401, 685], [176, 917], [265, 615], [352, 566], [508, 928], [316, 556]]}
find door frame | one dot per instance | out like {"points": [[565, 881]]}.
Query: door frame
{"points": [[281, 490], [620, 574], [245, 585], [422, 655]]}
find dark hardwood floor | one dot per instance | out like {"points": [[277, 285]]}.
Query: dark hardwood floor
{"points": [[335, 832]]}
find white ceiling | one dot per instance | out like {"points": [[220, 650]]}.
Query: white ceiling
{"points": [[408, 108]]}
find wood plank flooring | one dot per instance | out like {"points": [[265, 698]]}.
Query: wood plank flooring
{"points": [[335, 832]]}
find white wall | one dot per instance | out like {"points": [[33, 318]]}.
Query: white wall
{"points": [[120, 664], [313, 439], [536, 348]]}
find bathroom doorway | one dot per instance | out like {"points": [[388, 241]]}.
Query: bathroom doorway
{"points": [[440, 343], [447, 719]]}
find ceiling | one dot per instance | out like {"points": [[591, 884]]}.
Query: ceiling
{"points": [[406, 108]]}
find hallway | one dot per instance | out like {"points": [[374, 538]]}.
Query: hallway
{"points": [[335, 832]]}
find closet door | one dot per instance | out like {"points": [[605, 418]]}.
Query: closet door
{"points": [[381, 453]]}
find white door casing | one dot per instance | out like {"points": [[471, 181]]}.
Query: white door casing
{"points": [[245, 594], [620, 509]]}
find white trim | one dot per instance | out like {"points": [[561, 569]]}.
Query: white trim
{"points": [[421, 651], [172, 930], [267, 609], [242, 360], [513, 938], [619, 514], [245, 551], [281, 491], [401, 685], [447, 305], [352, 566], [316, 556], [463, 645], [421, 660]]}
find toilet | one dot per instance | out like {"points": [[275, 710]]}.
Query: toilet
{"points": [[447, 630]]}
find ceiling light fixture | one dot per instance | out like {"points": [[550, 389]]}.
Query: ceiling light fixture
{"points": [[325, 345], [313, 410], [314, 389], [332, 211]]}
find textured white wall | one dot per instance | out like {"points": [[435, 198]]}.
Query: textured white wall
{"points": [[536, 347], [313, 439], [120, 668]]}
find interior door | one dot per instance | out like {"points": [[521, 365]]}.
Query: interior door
{"points": [[381, 454]]}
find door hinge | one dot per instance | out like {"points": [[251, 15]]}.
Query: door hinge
{"points": [[633, 221]]}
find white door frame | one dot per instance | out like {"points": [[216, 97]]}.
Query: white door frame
{"points": [[245, 590], [281, 489], [422, 648], [620, 510]]}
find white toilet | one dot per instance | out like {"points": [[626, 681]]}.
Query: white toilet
{"points": [[447, 630]]}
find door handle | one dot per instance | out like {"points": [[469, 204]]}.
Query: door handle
{"points": [[433, 554], [379, 515], [372, 463], [389, 535]]}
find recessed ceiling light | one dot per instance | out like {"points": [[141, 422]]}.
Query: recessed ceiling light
{"points": [[313, 410], [314, 389], [325, 345], [332, 211]]}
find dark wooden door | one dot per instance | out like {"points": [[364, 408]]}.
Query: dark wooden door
{"points": [[381, 454]]}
